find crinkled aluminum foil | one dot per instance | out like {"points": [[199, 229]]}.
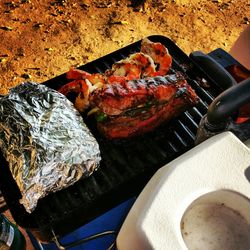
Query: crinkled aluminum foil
{"points": [[45, 141]]}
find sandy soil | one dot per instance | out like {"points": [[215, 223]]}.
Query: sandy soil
{"points": [[42, 39]]}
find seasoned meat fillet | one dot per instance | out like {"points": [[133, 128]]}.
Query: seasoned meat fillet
{"points": [[139, 106], [114, 99]]}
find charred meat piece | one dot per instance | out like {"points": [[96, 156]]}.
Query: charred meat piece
{"points": [[139, 106], [114, 99]]}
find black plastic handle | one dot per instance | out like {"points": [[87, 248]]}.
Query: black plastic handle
{"points": [[213, 70], [228, 102]]}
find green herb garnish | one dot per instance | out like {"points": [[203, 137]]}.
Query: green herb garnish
{"points": [[101, 117]]}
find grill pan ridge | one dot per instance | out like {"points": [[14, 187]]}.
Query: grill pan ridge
{"points": [[126, 165]]}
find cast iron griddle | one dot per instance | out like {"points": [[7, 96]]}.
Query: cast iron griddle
{"points": [[126, 165]]}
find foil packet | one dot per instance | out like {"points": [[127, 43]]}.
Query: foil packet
{"points": [[45, 141]]}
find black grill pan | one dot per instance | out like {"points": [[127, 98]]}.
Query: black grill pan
{"points": [[126, 165]]}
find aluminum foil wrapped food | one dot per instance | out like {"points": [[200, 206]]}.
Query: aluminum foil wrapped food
{"points": [[45, 141]]}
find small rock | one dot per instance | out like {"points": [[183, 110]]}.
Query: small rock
{"points": [[7, 28], [84, 6], [26, 76], [120, 43], [72, 58], [124, 22], [103, 4], [8, 11], [11, 5], [48, 49], [245, 20], [37, 26], [224, 6], [3, 60]]}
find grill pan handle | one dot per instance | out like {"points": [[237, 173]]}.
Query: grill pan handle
{"points": [[213, 70], [228, 102], [220, 112]]}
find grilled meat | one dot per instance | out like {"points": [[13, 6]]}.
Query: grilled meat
{"points": [[114, 99], [139, 106], [153, 60], [136, 95]]}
